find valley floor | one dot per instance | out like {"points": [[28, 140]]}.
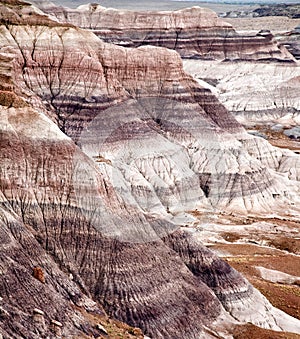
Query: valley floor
{"points": [[265, 250], [274, 24]]}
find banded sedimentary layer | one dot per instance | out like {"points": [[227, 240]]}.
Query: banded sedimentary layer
{"points": [[103, 149], [291, 41], [193, 32]]}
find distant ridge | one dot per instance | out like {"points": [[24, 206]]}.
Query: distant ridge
{"points": [[261, 2]]}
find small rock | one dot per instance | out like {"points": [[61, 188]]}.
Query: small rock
{"points": [[38, 311], [101, 328], [56, 323], [135, 331], [38, 273]]}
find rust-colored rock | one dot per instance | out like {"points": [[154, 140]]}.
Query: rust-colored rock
{"points": [[38, 273]]}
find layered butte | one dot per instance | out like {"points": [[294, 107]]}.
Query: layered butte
{"points": [[193, 32], [104, 151]]}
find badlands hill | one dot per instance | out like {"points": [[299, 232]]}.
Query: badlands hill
{"points": [[100, 164], [194, 32]]}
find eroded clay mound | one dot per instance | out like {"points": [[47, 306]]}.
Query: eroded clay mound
{"points": [[193, 32]]}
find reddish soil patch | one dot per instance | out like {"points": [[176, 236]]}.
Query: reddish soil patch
{"points": [[250, 331], [278, 138], [244, 259], [115, 329]]}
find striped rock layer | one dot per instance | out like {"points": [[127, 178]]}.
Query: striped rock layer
{"points": [[194, 32]]}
